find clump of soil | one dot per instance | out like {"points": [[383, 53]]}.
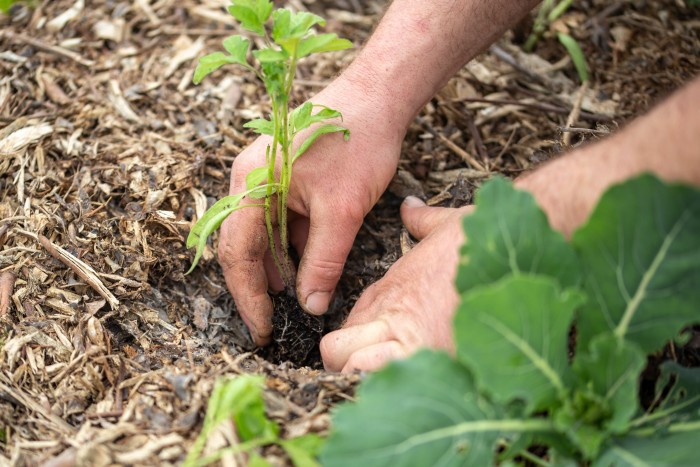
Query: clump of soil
{"points": [[295, 333]]}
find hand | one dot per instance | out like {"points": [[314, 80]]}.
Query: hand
{"points": [[412, 305], [334, 185]]}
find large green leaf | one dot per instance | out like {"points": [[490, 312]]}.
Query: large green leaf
{"points": [[640, 251], [671, 450], [210, 63], [418, 412], [508, 233], [514, 334], [252, 14]]}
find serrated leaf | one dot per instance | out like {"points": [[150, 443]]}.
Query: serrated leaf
{"points": [[210, 221], [303, 450], [255, 177], [270, 55], [513, 334], [237, 46], [322, 43], [281, 24], [641, 253], [508, 233], [252, 14], [670, 450], [302, 21], [301, 117], [261, 126], [400, 419], [322, 130], [610, 368], [210, 63]]}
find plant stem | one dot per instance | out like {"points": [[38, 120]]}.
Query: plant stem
{"points": [[268, 194]]}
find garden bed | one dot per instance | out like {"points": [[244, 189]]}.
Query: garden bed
{"points": [[108, 352]]}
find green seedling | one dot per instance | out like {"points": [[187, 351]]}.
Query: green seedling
{"points": [[286, 38], [240, 399], [627, 282], [548, 13], [5, 5]]}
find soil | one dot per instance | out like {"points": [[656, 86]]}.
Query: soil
{"points": [[108, 152]]}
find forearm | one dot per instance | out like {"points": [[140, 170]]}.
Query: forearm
{"points": [[419, 45], [665, 141]]}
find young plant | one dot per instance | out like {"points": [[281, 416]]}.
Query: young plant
{"points": [[548, 13], [287, 37], [240, 399], [627, 282]]}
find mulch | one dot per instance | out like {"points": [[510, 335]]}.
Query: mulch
{"points": [[108, 153]]}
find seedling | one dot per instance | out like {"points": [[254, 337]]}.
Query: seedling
{"points": [[287, 37], [548, 13], [627, 282]]}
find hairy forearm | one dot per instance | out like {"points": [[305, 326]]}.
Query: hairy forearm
{"points": [[665, 142], [419, 45]]}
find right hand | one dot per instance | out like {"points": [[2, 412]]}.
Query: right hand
{"points": [[334, 185]]}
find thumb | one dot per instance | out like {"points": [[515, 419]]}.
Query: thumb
{"points": [[421, 219], [331, 236]]}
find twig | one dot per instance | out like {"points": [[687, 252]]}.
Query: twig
{"points": [[512, 61], [538, 106], [7, 284], [69, 54], [468, 158], [575, 112], [83, 270], [587, 131]]}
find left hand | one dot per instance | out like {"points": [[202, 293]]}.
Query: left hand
{"points": [[412, 305]]}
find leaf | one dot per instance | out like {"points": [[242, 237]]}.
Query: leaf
{"points": [[322, 130], [255, 177], [576, 54], [508, 233], [237, 46], [303, 450], [281, 24], [252, 14], [302, 21], [671, 450], [261, 126], [210, 63], [5, 5], [605, 389], [513, 334], [261, 191], [210, 221], [680, 388], [641, 254], [611, 369], [322, 43], [421, 411], [270, 55], [301, 117]]}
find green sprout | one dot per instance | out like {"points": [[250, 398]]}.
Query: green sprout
{"points": [[287, 38]]}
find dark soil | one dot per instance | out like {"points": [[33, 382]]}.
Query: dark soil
{"points": [[295, 334]]}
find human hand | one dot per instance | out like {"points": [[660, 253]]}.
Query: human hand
{"points": [[334, 186], [412, 305]]}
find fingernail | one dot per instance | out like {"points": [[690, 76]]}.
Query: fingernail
{"points": [[317, 302], [413, 202]]}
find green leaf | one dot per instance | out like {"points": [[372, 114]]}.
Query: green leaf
{"points": [[576, 55], [5, 5], [611, 368], [270, 55], [255, 177], [261, 191], [256, 460], [252, 14], [514, 334], [322, 43], [678, 388], [508, 233], [302, 21], [210, 221], [417, 412], [671, 450], [302, 118], [210, 63], [303, 450], [261, 126], [641, 254], [322, 130], [237, 46], [281, 24]]}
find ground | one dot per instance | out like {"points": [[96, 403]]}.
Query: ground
{"points": [[108, 152]]}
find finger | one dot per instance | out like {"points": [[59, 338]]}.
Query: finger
{"points": [[374, 357], [274, 279], [331, 235], [242, 260], [421, 219], [299, 234], [338, 346]]}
